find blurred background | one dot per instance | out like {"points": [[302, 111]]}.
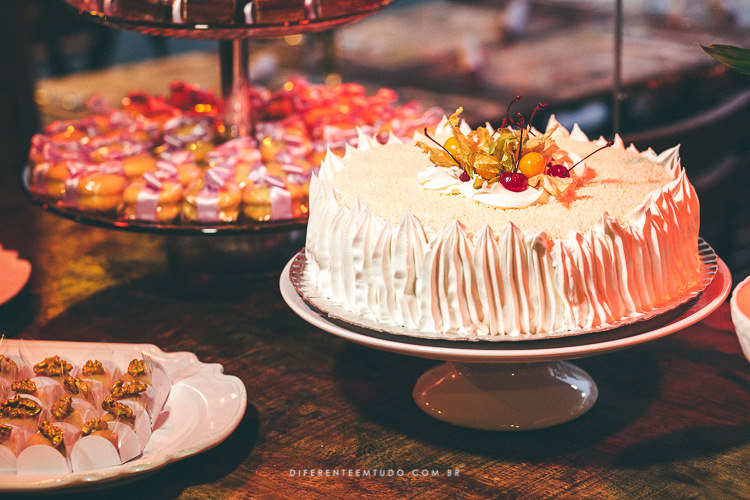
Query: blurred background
{"points": [[475, 54]]}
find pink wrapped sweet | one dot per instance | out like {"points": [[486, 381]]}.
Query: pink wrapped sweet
{"points": [[187, 133], [155, 197], [12, 440], [180, 163], [97, 188], [150, 372], [44, 452], [21, 411], [97, 448], [131, 423], [71, 413], [44, 390], [215, 197], [279, 192]]}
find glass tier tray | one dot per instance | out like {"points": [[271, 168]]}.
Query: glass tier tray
{"points": [[110, 220], [226, 19]]}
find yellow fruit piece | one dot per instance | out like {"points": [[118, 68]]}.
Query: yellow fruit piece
{"points": [[451, 145], [531, 164]]}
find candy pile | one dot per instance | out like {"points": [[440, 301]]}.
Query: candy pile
{"points": [[56, 418], [159, 158]]}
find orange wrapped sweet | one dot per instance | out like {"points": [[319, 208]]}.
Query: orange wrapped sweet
{"points": [[213, 198], [276, 194], [156, 197], [95, 188]]}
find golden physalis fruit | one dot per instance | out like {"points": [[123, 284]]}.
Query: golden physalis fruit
{"points": [[531, 164], [451, 145]]}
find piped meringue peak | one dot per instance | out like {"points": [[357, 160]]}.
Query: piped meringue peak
{"points": [[402, 247]]}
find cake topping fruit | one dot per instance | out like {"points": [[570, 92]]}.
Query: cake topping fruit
{"points": [[53, 366], [558, 170], [531, 164], [511, 155], [515, 156], [514, 181]]}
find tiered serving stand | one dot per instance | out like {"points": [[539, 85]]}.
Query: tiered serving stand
{"points": [[234, 23]]}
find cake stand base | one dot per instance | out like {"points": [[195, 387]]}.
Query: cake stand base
{"points": [[505, 397], [506, 386]]}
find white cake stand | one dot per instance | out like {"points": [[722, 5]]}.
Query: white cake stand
{"points": [[518, 385]]}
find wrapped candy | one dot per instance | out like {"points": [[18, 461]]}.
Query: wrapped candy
{"points": [[43, 390], [185, 133], [97, 448], [157, 196], [44, 452], [96, 188], [12, 440], [71, 413], [20, 410], [213, 198], [180, 164], [152, 373], [131, 423], [279, 195]]}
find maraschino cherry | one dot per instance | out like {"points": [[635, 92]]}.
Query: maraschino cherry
{"points": [[514, 181], [558, 170]]}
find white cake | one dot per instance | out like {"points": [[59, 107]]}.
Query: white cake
{"points": [[389, 243]]}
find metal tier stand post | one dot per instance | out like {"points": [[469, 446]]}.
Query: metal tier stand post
{"points": [[234, 58]]}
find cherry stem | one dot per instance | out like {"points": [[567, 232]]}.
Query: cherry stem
{"points": [[537, 108], [507, 119], [441, 147], [518, 154], [609, 143]]}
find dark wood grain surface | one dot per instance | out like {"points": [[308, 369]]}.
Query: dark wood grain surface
{"points": [[672, 419]]}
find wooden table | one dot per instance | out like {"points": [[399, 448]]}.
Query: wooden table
{"points": [[672, 419]]}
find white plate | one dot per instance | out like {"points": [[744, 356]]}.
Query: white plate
{"points": [[204, 407], [578, 346], [14, 273]]}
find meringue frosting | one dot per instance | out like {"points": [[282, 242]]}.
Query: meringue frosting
{"points": [[480, 272]]}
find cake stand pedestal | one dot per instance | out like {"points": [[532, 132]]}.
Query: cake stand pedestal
{"points": [[505, 397], [510, 385]]}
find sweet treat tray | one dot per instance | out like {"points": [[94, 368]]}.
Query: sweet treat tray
{"points": [[110, 220], [204, 406]]}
